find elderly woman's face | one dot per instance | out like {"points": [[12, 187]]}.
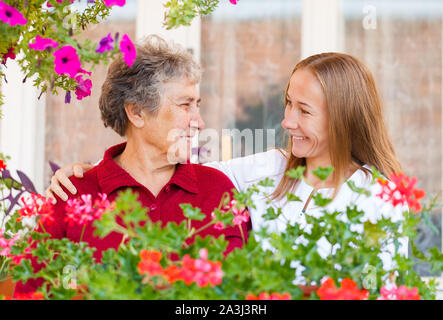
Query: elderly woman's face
{"points": [[177, 120]]}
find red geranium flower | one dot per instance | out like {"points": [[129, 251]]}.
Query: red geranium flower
{"points": [[266, 296], [37, 205], [149, 263], [27, 296], [2, 165], [401, 191], [348, 291]]}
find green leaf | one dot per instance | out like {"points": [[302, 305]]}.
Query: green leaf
{"points": [[266, 183], [416, 252], [353, 187], [191, 212], [292, 197], [296, 173], [320, 201], [271, 214], [323, 173]]}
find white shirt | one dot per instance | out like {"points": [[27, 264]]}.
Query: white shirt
{"points": [[249, 170]]}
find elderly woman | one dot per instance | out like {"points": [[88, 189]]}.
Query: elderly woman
{"points": [[155, 105]]}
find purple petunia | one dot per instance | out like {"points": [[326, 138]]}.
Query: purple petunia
{"points": [[105, 44]]}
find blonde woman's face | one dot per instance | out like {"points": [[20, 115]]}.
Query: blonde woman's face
{"points": [[306, 116]]}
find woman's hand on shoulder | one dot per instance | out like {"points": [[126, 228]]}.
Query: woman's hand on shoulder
{"points": [[61, 176]]}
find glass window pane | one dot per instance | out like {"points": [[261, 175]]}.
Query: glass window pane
{"points": [[248, 53], [404, 53], [75, 131]]}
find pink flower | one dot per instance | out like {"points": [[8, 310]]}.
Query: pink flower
{"points": [[238, 220], [240, 214], [41, 44], [83, 88], [233, 1], [219, 226], [67, 61], [58, 1], [10, 15], [83, 211], [6, 244], [399, 293], [119, 3], [128, 49], [105, 44]]}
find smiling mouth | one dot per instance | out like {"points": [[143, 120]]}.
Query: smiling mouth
{"points": [[299, 138]]}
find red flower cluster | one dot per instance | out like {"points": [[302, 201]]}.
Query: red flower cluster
{"points": [[37, 205], [27, 296], [399, 293], [348, 291], [403, 192], [266, 296], [2, 165], [201, 271], [83, 211], [240, 213]]}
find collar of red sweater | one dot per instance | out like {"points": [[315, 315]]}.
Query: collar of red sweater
{"points": [[111, 176]]}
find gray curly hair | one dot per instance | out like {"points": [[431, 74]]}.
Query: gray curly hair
{"points": [[157, 62]]}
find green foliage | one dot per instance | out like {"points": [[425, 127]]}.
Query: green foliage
{"points": [[182, 12], [264, 264]]}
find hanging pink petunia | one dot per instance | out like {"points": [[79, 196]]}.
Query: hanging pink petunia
{"points": [[67, 61], [83, 88], [119, 3], [105, 44], [233, 1], [41, 44], [10, 15], [128, 49]]}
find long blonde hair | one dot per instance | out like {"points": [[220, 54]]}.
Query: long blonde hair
{"points": [[357, 131]]}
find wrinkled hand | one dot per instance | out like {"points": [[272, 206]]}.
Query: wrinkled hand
{"points": [[61, 176]]}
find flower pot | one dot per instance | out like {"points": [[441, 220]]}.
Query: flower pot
{"points": [[7, 287], [307, 290]]}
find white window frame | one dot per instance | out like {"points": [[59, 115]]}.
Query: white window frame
{"points": [[22, 128]]}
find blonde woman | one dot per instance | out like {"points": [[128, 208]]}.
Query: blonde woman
{"points": [[334, 117]]}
